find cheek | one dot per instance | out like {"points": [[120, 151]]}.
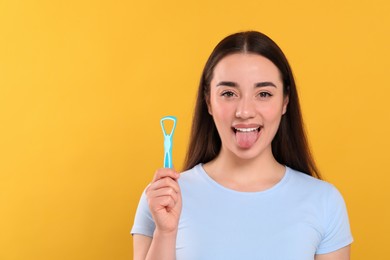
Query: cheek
{"points": [[272, 113], [222, 112], [218, 108]]}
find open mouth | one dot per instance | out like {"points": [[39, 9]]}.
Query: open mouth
{"points": [[246, 137]]}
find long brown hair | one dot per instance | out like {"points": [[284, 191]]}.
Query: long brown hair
{"points": [[289, 146]]}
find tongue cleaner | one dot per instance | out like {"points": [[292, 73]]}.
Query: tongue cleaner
{"points": [[168, 141]]}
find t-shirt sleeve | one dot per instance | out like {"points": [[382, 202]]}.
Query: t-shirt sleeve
{"points": [[337, 233], [143, 221]]}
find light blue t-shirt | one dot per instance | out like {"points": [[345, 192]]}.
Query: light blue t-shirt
{"points": [[297, 218]]}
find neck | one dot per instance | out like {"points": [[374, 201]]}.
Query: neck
{"points": [[245, 174]]}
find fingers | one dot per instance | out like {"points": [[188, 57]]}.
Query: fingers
{"points": [[164, 191], [163, 202], [165, 172], [164, 199], [163, 183]]}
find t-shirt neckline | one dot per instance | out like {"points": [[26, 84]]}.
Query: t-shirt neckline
{"points": [[274, 188]]}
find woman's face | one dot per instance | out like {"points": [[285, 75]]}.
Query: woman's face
{"points": [[246, 102]]}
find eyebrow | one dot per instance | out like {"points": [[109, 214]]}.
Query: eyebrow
{"points": [[257, 85], [227, 83], [265, 84]]}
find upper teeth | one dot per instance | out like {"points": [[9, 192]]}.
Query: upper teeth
{"points": [[246, 129]]}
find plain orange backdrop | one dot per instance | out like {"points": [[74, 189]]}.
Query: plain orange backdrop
{"points": [[83, 85]]}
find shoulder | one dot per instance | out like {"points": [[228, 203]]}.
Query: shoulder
{"points": [[191, 175], [195, 181], [317, 189], [326, 200], [307, 181]]}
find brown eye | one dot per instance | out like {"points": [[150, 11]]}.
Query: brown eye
{"points": [[227, 94], [265, 94]]}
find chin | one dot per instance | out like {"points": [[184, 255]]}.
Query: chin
{"points": [[247, 154]]}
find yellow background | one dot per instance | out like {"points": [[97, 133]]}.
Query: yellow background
{"points": [[83, 85]]}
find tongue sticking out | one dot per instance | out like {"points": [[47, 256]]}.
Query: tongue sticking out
{"points": [[246, 139]]}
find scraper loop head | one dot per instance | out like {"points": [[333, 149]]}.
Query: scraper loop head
{"points": [[168, 141]]}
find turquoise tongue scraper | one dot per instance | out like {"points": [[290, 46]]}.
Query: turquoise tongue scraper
{"points": [[168, 141]]}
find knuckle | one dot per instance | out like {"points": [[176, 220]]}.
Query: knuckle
{"points": [[171, 191], [167, 181], [168, 200], [157, 174]]}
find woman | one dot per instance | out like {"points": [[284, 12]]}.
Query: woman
{"points": [[250, 189]]}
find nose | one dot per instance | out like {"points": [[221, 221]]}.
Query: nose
{"points": [[245, 108]]}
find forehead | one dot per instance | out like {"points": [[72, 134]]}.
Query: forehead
{"points": [[246, 65]]}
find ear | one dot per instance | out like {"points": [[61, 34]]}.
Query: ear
{"points": [[285, 103]]}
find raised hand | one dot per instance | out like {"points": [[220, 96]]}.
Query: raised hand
{"points": [[164, 199]]}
